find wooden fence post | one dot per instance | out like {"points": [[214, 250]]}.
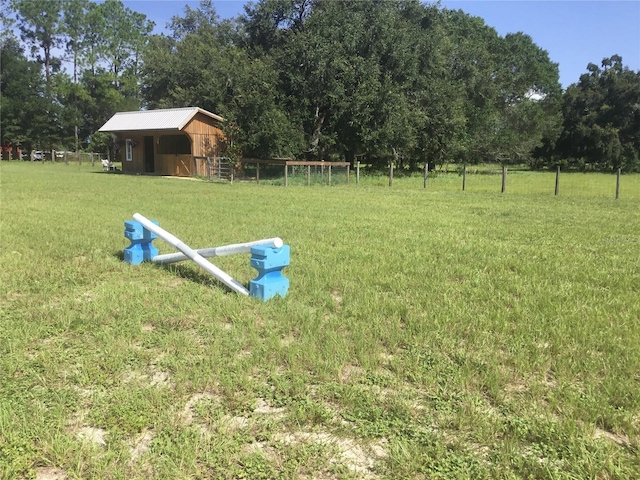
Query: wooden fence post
{"points": [[464, 177], [66, 158], [286, 175], [348, 167], [391, 174], [357, 172], [618, 183], [329, 175], [504, 178], [426, 174], [257, 172], [557, 180], [308, 175], [53, 156]]}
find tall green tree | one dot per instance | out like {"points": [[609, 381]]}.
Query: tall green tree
{"points": [[22, 98], [40, 24], [194, 67], [601, 119]]}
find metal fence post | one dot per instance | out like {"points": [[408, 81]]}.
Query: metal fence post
{"points": [[504, 178], [464, 177]]}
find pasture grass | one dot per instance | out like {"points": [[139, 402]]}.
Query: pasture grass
{"points": [[426, 334]]}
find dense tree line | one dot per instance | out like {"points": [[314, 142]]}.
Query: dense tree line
{"points": [[43, 105], [378, 81]]}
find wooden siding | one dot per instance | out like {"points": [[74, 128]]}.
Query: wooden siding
{"points": [[205, 134], [136, 165], [174, 165]]}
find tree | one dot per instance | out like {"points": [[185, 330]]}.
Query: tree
{"points": [[194, 20], [601, 119], [198, 70], [22, 99], [40, 25]]}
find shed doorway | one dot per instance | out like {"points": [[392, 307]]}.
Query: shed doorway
{"points": [[148, 155]]}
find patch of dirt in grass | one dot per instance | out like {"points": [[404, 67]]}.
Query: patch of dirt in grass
{"points": [[140, 445], [287, 341], [175, 282], [187, 411], [357, 458], [147, 328], [549, 381], [161, 379], [336, 297], [92, 435], [516, 387], [156, 378], [227, 326], [244, 354], [50, 473], [77, 427], [263, 408], [261, 447], [386, 357], [350, 373], [87, 297], [84, 392], [231, 424], [618, 438]]}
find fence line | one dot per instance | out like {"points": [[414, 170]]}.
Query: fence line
{"points": [[513, 179]]}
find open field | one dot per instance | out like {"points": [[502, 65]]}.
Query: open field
{"points": [[426, 334]]}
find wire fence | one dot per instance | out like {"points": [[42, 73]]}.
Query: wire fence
{"points": [[483, 178], [292, 172], [518, 179]]}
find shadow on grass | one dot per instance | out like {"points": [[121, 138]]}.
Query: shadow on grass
{"points": [[186, 272], [196, 276]]}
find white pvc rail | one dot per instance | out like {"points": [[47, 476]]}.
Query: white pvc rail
{"points": [[218, 251], [192, 254]]}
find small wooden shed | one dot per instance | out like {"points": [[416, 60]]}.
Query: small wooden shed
{"points": [[172, 141]]}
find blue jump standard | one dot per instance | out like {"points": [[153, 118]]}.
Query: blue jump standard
{"points": [[141, 248], [269, 262]]}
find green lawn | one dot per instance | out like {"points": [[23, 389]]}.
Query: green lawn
{"points": [[426, 334]]}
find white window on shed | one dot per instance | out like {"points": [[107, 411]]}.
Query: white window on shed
{"points": [[129, 152]]}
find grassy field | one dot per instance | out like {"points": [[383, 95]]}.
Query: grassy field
{"points": [[438, 334]]}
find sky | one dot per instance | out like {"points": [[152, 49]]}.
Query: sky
{"points": [[573, 32]]}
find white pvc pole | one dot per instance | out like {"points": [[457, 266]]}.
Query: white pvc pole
{"points": [[192, 254], [218, 251]]}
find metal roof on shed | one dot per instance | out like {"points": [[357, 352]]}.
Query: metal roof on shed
{"points": [[165, 119]]}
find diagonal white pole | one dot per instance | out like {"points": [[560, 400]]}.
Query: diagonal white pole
{"points": [[192, 254], [219, 251]]}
